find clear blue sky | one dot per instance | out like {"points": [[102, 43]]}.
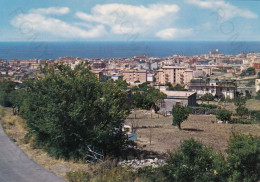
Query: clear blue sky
{"points": [[135, 20]]}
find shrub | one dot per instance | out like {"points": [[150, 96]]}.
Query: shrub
{"points": [[207, 97], [239, 121], [224, 115], [244, 158], [255, 115], [4, 99], [78, 176], [146, 96], [195, 162], [148, 174], [117, 174], [210, 106], [202, 110], [242, 111]]}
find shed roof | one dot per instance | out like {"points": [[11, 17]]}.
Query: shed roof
{"points": [[178, 93]]}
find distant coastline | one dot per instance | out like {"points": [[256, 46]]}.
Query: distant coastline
{"points": [[118, 49]]}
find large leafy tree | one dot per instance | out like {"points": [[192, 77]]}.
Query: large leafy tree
{"points": [[239, 101], [68, 109], [195, 162], [224, 115], [145, 96], [242, 111], [207, 97], [244, 158], [6, 87], [179, 114]]}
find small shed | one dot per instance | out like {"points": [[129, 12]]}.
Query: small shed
{"points": [[184, 98]]}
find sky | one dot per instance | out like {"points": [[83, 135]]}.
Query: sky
{"points": [[135, 20]]}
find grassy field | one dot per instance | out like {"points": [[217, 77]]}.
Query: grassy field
{"points": [[164, 136], [153, 128], [251, 104]]}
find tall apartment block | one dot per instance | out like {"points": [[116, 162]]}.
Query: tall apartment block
{"points": [[174, 75], [132, 76]]}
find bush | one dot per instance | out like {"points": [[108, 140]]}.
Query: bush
{"points": [[117, 174], [195, 162], [78, 176], [148, 174], [6, 87], [255, 115], [146, 96], [239, 121], [210, 106], [203, 110], [5, 99], [224, 115], [244, 158], [207, 97], [242, 111]]}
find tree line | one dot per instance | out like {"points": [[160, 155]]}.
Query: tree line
{"points": [[69, 109]]}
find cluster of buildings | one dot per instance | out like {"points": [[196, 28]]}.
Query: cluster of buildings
{"points": [[199, 74]]}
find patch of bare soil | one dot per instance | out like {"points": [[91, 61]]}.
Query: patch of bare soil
{"points": [[158, 134]]}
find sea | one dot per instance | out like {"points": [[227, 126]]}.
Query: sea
{"points": [[54, 50]]}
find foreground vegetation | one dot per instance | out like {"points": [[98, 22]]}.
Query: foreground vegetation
{"points": [[192, 162], [65, 111]]}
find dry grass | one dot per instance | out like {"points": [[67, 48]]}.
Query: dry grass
{"points": [[165, 137], [14, 126], [251, 104]]}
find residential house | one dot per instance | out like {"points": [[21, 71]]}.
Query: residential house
{"points": [[216, 87]]}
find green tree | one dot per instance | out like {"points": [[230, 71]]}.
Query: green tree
{"points": [[248, 95], [195, 162], [177, 87], [4, 99], [241, 111], [244, 158], [146, 96], [257, 117], [258, 94], [251, 83], [179, 114], [223, 115], [6, 87], [17, 96], [239, 101], [207, 97], [122, 83], [250, 71], [144, 86], [67, 109], [258, 74]]}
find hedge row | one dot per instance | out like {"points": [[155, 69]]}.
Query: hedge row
{"points": [[203, 110]]}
